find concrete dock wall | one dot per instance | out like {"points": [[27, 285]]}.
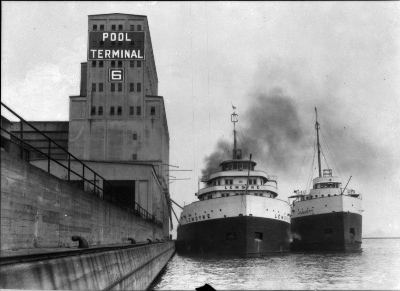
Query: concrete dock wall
{"points": [[39, 210], [126, 269]]}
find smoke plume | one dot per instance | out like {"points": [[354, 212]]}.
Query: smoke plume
{"points": [[276, 127], [221, 152]]}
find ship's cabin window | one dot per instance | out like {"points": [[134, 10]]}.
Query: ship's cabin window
{"points": [[209, 196], [237, 166], [326, 185], [228, 181], [231, 236], [252, 181], [258, 235], [219, 182]]}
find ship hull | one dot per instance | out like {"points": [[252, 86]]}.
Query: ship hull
{"points": [[240, 235], [337, 231]]}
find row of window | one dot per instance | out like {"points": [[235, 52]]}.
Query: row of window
{"points": [[117, 65], [119, 110], [237, 166], [230, 182], [116, 43], [120, 27], [210, 196], [119, 87]]}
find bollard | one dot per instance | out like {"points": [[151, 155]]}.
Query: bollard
{"points": [[132, 241]]}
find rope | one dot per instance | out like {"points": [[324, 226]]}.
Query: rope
{"points": [[329, 149], [193, 124], [311, 174], [308, 146]]}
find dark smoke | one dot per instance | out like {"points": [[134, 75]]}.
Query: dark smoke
{"points": [[222, 152], [276, 129], [272, 129]]}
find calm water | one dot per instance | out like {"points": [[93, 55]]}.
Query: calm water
{"points": [[376, 267]]}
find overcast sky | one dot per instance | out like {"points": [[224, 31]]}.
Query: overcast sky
{"points": [[274, 61]]}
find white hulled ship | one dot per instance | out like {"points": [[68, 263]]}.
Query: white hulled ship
{"points": [[237, 212], [328, 217]]}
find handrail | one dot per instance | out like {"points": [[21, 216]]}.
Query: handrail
{"points": [[120, 200]]}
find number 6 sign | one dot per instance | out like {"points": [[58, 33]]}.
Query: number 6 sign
{"points": [[116, 75]]}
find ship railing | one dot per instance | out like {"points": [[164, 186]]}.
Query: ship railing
{"points": [[206, 178], [86, 179], [347, 192], [237, 187]]}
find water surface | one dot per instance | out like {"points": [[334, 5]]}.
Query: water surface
{"points": [[377, 266]]}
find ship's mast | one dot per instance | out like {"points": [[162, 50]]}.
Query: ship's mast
{"points": [[318, 145], [234, 119]]}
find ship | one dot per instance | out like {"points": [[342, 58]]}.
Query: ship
{"points": [[237, 212], [326, 217]]}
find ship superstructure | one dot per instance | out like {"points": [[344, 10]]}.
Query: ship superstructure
{"points": [[237, 212], [327, 217]]}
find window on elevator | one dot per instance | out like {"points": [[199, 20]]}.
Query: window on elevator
{"points": [[101, 26], [94, 64], [113, 27], [119, 110], [94, 26], [100, 87], [93, 87], [139, 64], [134, 136], [119, 64], [131, 87], [132, 27], [120, 27], [93, 110], [112, 87], [139, 110], [119, 87], [139, 27], [112, 63], [132, 64], [352, 231], [131, 110], [152, 110], [139, 87], [101, 64], [100, 110], [112, 110]]}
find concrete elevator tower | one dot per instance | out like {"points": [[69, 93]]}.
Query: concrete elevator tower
{"points": [[118, 123]]}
